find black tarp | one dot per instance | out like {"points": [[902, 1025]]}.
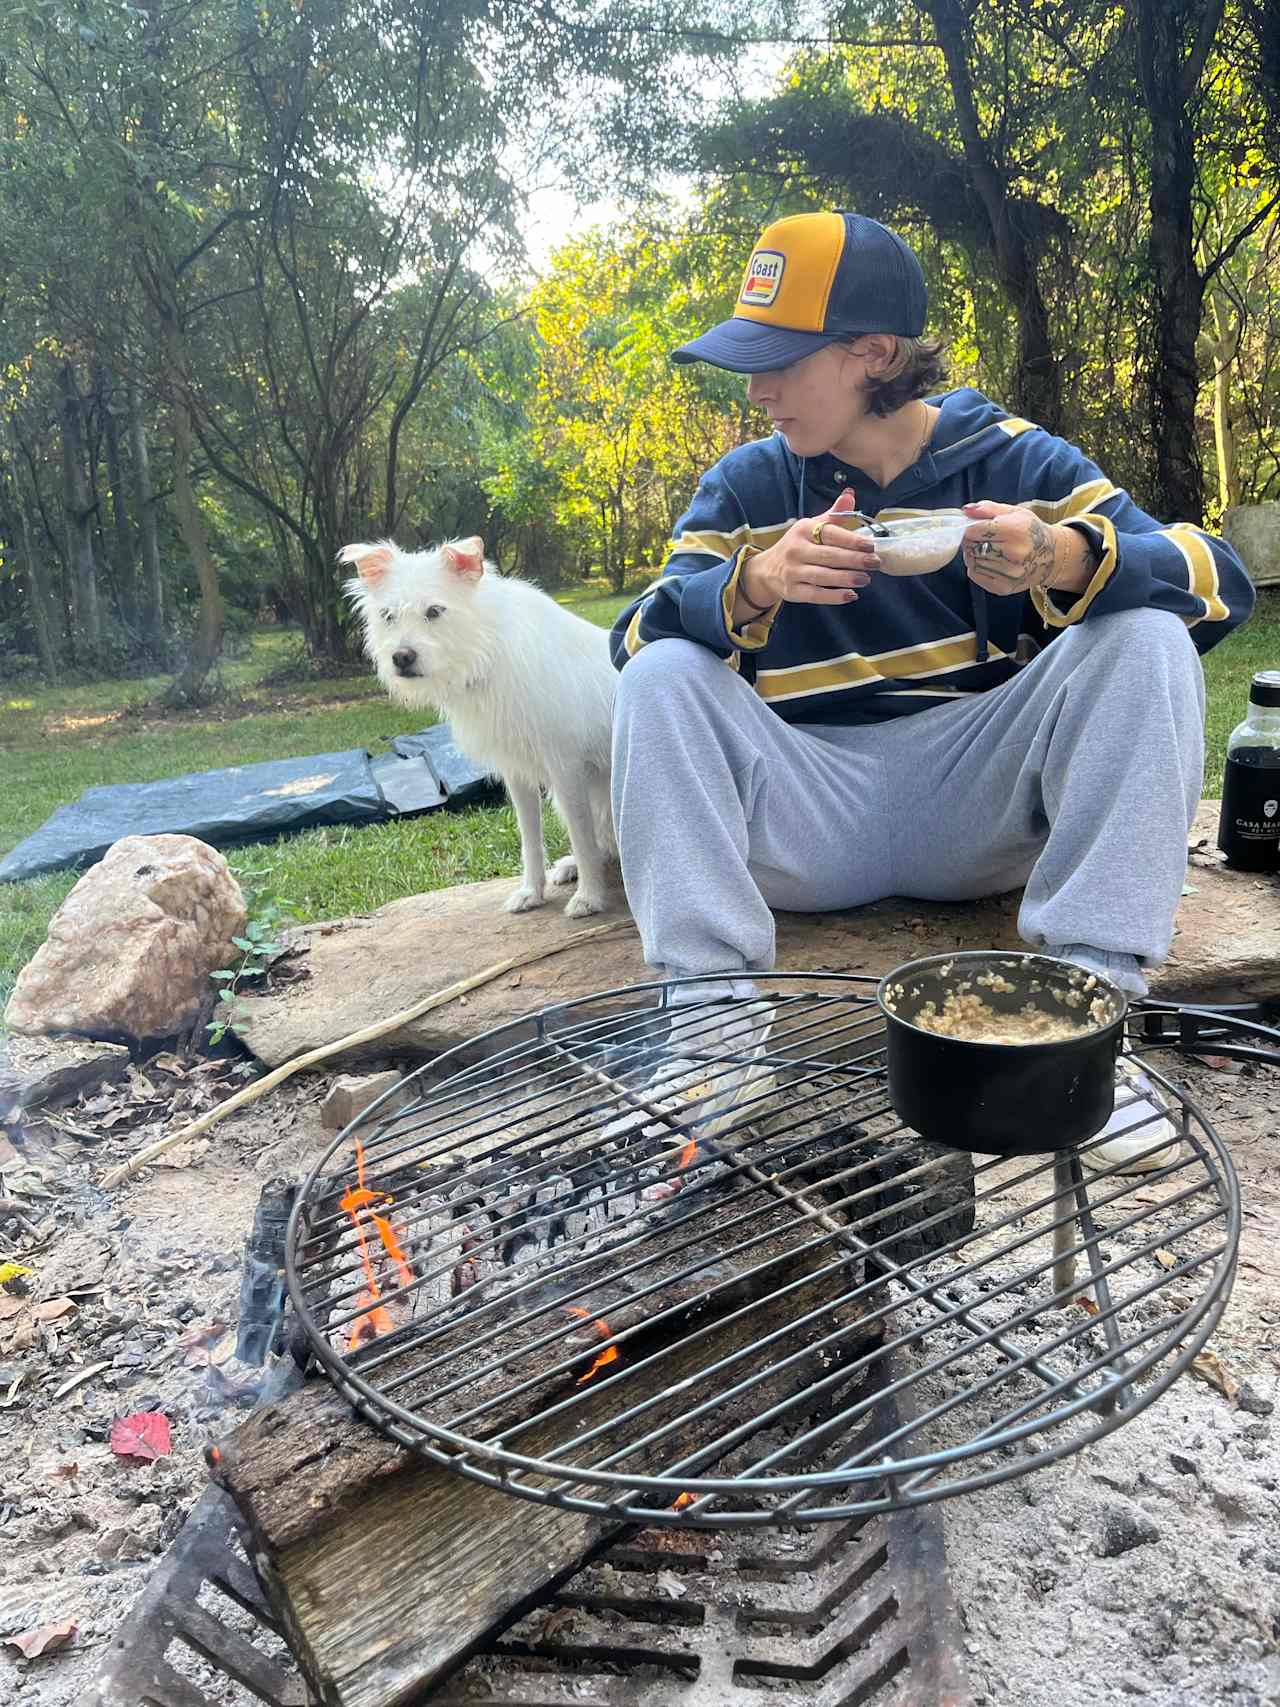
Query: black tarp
{"points": [[459, 777], [251, 802]]}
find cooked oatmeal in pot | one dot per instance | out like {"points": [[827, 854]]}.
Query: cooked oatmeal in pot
{"points": [[966, 1014]]}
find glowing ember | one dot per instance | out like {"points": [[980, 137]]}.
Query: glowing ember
{"points": [[610, 1352], [683, 1500], [688, 1153]]}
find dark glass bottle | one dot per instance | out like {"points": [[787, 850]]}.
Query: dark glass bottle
{"points": [[1249, 829]]}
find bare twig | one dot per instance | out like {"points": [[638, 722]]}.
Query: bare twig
{"points": [[368, 1034]]}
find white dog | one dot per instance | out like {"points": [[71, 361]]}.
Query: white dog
{"points": [[527, 687]]}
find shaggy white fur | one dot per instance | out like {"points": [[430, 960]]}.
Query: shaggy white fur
{"points": [[526, 685]]}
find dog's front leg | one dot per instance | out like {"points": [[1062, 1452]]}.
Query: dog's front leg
{"points": [[573, 802], [527, 800]]}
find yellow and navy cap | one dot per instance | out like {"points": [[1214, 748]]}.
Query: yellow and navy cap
{"points": [[814, 278]]}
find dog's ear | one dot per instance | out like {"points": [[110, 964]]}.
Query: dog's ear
{"points": [[466, 557], [372, 562]]}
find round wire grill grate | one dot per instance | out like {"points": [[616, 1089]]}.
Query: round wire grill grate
{"points": [[646, 1262]]}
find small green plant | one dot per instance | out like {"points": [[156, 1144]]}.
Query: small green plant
{"points": [[267, 912]]}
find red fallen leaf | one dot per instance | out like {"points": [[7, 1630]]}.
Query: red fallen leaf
{"points": [[42, 1640], [145, 1434]]}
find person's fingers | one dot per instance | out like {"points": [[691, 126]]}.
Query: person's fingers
{"points": [[811, 595], [978, 532], [844, 503], [844, 539], [985, 508], [812, 576]]}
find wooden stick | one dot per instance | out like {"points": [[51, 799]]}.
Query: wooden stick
{"points": [[368, 1034]]}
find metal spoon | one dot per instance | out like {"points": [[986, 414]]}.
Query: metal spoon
{"points": [[869, 522]]}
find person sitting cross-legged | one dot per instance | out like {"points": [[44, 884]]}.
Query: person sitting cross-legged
{"points": [[795, 730]]}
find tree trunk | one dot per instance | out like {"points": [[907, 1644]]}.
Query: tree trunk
{"points": [[78, 507], [145, 509], [122, 553], [206, 642], [1222, 348], [1169, 75], [1037, 382], [40, 624]]}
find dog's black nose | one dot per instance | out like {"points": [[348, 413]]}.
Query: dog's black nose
{"points": [[404, 658]]}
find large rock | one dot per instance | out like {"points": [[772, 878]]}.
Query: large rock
{"points": [[369, 968], [130, 950], [1254, 531]]}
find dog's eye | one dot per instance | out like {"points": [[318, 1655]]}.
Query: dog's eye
{"points": [[433, 611]]}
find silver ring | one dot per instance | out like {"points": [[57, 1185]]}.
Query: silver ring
{"points": [[985, 548]]}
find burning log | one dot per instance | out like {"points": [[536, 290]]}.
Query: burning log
{"points": [[577, 1295], [388, 1569]]}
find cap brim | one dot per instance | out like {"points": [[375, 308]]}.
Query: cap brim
{"points": [[749, 346]]}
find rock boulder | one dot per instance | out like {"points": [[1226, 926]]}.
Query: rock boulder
{"points": [[130, 950]]}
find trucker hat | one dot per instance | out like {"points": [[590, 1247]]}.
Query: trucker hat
{"points": [[813, 279]]}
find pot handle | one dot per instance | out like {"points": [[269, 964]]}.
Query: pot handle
{"points": [[1232, 1029]]}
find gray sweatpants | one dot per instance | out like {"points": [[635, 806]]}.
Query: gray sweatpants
{"points": [[1078, 779]]}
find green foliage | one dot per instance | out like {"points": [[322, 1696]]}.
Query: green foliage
{"points": [[267, 914]]}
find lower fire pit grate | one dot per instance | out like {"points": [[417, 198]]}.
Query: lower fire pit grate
{"points": [[858, 1614]]}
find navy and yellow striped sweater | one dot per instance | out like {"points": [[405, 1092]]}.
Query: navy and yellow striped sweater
{"points": [[909, 643]]}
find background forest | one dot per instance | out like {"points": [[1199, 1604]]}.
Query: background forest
{"points": [[266, 285]]}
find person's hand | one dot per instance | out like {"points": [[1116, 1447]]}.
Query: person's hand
{"points": [[1010, 550], [802, 569]]}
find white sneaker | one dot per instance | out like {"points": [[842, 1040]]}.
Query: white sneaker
{"points": [[1141, 1120]]}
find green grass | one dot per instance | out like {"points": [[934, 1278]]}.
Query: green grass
{"points": [[55, 742]]}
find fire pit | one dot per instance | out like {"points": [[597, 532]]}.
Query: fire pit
{"points": [[660, 1303]]}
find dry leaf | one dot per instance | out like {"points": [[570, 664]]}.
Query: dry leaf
{"points": [[144, 1434], [168, 1063], [1208, 1366], [23, 1335], [140, 1087], [65, 1472], [11, 1306], [1087, 1304], [42, 1640], [1165, 1257], [52, 1308]]}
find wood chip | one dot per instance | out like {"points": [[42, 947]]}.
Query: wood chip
{"points": [[80, 1377], [1209, 1367], [1165, 1257]]}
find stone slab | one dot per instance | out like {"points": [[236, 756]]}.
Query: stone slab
{"points": [[1254, 531], [1227, 949], [35, 1071]]}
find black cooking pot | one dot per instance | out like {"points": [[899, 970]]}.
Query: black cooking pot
{"points": [[1001, 1099]]}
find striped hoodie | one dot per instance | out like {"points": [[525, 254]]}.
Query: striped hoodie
{"points": [[909, 643]]}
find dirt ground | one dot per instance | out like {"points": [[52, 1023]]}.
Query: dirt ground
{"points": [[131, 1304]]}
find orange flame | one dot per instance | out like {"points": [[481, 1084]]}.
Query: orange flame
{"points": [[374, 1319], [683, 1500], [393, 1248], [688, 1153], [610, 1352]]}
